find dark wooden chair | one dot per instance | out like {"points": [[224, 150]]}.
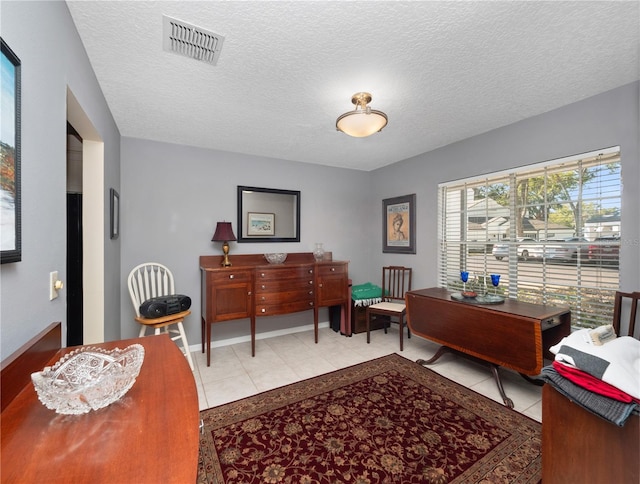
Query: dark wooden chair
{"points": [[623, 301], [396, 281]]}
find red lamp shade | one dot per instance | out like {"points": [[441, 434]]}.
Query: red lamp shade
{"points": [[223, 233]]}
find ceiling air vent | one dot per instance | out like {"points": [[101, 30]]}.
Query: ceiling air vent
{"points": [[190, 41]]}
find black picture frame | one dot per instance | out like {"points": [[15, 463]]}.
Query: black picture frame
{"points": [[114, 210], [399, 225], [10, 157], [282, 205]]}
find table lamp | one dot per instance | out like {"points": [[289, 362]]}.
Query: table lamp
{"points": [[224, 233]]}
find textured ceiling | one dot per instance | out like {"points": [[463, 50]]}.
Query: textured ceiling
{"points": [[442, 71]]}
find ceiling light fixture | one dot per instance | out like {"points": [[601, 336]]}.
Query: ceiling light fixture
{"points": [[362, 121]]}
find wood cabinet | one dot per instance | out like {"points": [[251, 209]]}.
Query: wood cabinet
{"points": [[578, 446], [333, 282], [253, 288]]}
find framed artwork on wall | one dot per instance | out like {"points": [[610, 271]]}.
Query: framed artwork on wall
{"points": [[399, 225], [114, 207], [10, 195], [261, 223]]}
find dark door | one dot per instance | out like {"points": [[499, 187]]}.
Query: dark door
{"points": [[74, 269]]}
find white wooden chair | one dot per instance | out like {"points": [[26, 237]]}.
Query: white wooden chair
{"points": [[152, 280]]}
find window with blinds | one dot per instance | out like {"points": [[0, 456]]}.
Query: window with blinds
{"points": [[551, 231]]}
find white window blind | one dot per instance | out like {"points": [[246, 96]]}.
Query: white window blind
{"points": [[551, 230]]}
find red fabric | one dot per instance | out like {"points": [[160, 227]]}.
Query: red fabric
{"points": [[590, 382]]}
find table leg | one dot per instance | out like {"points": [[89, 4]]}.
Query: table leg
{"points": [[253, 336], [441, 351], [494, 369], [202, 331], [496, 375], [208, 331]]}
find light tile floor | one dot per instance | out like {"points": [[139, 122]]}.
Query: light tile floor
{"points": [[282, 360]]}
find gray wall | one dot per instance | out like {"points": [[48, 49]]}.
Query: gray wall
{"points": [[608, 119], [44, 37], [172, 196]]}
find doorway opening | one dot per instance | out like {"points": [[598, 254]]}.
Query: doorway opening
{"points": [[93, 223]]}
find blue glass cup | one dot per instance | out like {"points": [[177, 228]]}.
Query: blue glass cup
{"points": [[495, 280], [464, 276]]}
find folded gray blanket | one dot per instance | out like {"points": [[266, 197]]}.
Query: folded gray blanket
{"points": [[607, 408]]}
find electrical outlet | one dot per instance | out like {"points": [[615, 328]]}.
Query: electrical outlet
{"points": [[54, 285]]}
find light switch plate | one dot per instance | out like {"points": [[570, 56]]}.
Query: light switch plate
{"points": [[53, 293]]}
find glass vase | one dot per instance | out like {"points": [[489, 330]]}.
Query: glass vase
{"points": [[318, 252]]}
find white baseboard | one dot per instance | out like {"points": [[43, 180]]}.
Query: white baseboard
{"points": [[268, 334]]}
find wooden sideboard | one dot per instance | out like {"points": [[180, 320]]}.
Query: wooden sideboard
{"points": [[150, 435], [252, 288], [513, 334]]}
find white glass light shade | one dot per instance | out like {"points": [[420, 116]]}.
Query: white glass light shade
{"points": [[360, 124], [362, 121]]}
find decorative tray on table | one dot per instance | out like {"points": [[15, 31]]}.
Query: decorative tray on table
{"points": [[474, 298]]}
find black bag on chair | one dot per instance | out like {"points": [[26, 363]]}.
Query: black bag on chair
{"points": [[157, 307]]}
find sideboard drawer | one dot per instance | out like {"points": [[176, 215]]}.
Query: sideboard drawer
{"points": [[226, 276], [329, 269], [283, 273], [283, 307], [295, 294], [284, 286]]}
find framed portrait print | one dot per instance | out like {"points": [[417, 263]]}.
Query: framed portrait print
{"points": [[10, 197], [399, 225], [261, 223], [115, 213]]}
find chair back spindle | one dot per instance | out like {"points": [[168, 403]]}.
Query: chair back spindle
{"points": [[396, 280]]}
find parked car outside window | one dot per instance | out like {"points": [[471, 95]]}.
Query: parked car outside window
{"points": [[500, 251], [560, 249], [605, 250]]}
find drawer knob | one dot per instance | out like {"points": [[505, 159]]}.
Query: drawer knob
{"points": [[263, 310], [230, 276], [262, 274], [249, 293], [262, 298], [320, 285], [311, 282], [333, 269], [310, 271], [263, 286], [311, 304], [310, 293]]}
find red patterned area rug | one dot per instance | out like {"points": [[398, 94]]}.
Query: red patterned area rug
{"points": [[388, 420]]}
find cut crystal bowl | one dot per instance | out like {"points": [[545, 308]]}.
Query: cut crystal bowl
{"points": [[88, 378], [276, 257]]}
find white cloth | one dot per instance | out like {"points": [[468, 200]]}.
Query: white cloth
{"points": [[616, 362]]}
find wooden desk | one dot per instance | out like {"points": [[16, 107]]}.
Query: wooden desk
{"points": [[252, 288], [148, 436], [514, 334]]}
